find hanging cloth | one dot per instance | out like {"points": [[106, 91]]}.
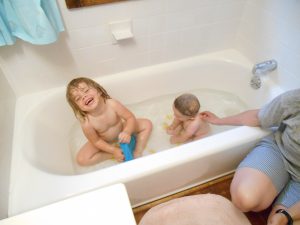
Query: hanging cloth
{"points": [[35, 21]]}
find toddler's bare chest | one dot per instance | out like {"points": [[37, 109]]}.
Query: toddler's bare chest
{"points": [[105, 122]]}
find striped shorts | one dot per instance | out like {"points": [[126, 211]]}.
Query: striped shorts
{"points": [[266, 157]]}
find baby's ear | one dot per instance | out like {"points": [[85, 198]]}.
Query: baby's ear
{"points": [[202, 115]]}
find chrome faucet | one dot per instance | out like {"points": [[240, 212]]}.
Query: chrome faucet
{"points": [[264, 67], [260, 69]]}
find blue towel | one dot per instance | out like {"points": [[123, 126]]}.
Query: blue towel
{"points": [[128, 149], [35, 21]]}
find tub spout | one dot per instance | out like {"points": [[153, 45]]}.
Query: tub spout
{"points": [[264, 67], [260, 69]]}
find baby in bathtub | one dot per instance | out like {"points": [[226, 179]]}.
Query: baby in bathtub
{"points": [[187, 124], [104, 121]]}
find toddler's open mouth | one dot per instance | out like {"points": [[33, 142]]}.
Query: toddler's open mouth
{"points": [[88, 101]]}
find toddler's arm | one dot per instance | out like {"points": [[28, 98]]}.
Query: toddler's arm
{"points": [[129, 121], [99, 143], [115, 151]]}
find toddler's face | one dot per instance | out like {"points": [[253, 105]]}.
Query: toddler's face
{"points": [[85, 97], [178, 115]]}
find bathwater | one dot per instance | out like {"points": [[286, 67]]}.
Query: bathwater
{"points": [[159, 111]]}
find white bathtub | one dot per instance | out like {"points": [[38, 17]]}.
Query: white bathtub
{"points": [[42, 168]]}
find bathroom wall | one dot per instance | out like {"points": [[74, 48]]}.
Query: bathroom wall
{"points": [[164, 30], [7, 101], [271, 29]]}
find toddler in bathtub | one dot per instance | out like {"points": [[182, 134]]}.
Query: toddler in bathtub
{"points": [[104, 121], [187, 124]]}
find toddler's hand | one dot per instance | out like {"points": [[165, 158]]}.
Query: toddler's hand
{"points": [[124, 137], [118, 155]]}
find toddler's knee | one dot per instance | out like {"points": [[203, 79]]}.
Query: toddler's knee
{"points": [[81, 160], [149, 124]]}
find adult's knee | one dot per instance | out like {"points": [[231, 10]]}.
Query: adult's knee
{"points": [[244, 198]]}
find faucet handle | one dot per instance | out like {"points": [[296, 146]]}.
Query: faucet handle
{"points": [[264, 67]]}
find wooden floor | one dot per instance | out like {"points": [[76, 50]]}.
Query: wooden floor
{"points": [[219, 186]]}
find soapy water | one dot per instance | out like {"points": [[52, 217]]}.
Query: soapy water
{"points": [[159, 111]]}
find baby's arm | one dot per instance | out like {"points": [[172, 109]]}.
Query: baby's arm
{"points": [[128, 118], [171, 130], [99, 143], [185, 134], [203, 129]]}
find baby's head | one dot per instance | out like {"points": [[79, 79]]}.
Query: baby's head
{"points": [[75, 85], [187, 104]]}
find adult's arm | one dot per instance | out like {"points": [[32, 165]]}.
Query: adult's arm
{"points": [[246, 118]]}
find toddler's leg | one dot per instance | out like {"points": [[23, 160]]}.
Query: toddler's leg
{"points": [[144, 128], [89, 155]]}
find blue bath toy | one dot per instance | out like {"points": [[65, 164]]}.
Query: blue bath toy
{"points": [[128, 148]]}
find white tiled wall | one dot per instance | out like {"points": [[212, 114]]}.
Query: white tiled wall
{"points": [[164, 30], [7, 100], [271, 29]]}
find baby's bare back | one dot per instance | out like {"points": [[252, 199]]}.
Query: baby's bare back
{"points": [[198, 126], [203, 129]]}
